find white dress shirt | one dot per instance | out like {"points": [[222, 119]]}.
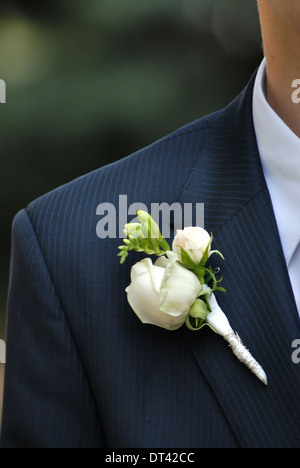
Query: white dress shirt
{"points": [[279, 150]]}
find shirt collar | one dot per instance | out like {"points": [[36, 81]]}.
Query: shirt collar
{"points": [[279, 150]]}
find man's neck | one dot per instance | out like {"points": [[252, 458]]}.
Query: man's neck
{"points": [[282, 51]]}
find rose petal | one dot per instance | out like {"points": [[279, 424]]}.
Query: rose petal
{"points": [[143, 293], [179, 290]]}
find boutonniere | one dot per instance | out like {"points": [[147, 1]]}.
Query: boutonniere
{"points": [[179, 288]]}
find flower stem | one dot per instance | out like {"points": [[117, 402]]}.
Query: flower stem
{"points": [[220, 324], [244, 356]]}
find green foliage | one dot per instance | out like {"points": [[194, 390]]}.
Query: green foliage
{"points": [[143, 237]]}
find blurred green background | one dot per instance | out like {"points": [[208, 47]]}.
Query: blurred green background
{"points": [[91, 81]]}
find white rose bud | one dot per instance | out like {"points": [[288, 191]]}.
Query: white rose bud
{"points": [[162, 294], [194, 240]]}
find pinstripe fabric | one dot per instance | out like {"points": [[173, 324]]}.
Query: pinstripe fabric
{"points": [[41, 351], [83, 371], [259, 300]]}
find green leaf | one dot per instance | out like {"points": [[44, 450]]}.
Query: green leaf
{"points": [[216, 252], [198, 327], [206, 252], [221, 289], [164, 244], [190, 326], [186, 259]]}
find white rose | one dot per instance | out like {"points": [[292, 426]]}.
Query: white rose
{"points": [[194, 240], [162, 294]]}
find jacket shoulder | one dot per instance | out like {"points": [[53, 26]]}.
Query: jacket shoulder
{"points": [[154, 172]]}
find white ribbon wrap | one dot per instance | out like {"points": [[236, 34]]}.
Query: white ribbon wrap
{"points": [[219, 322]]}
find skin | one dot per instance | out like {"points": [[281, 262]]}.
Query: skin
{"points": [[280, 24]]}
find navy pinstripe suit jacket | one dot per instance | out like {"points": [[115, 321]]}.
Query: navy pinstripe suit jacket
{"points": [[82, 371]]}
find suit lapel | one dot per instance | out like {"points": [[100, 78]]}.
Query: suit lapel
{"points": [[259, 301]]}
